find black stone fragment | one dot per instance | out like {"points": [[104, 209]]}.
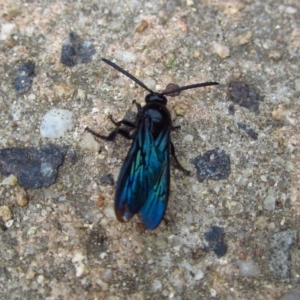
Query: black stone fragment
{"points": [[231, 109], [242, 94], [215, 238], [107, 179], [248, 130], [75, 51], [213, 164], [24, 77], [34, 167], [26, 68]]}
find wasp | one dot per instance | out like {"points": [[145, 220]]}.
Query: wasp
{"points": [[144, 180]]}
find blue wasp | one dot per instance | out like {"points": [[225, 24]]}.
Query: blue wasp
{"points": [[144, 181]]}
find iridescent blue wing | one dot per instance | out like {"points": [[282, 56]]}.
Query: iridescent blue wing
{"points": [[155, 205], [143, 184]]}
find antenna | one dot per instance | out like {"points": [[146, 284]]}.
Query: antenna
{"points": [[187, 87], [127, 74]]}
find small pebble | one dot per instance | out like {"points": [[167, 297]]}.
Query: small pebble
{"points": [[30, 274], [174, 241], [5, 213], [109, 212], [275, 55], [234, 207], [245, 38], [107, 179], [137, 247], [63, 91], [263, 178], [34, 285], [55, 122], [9, 223], [270, 202], [180, 111], [261, 222], [125, 56], [157, 285], [10, 180], [189, 2], [6, 30], [31, 97], [196, 54], [89, 143], [81, 95], [31, 231], [115, 26], [221, 50], [78, 262], [248, 268], [142, 26], [22, 198], [188, 138], [100, 201], [40, 279], [183, 27], [283, 115], [291, 10], [199, 275], [102, 284], [150, 83]]}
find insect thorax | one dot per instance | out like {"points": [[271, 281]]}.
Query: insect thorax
{"points": [[158, 116]]}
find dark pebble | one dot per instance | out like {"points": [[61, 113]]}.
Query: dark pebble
{"points": [[24, 77], [215, 238], [34, 167], [213, 164], [75, 51], [242, 94], [248, 130], [107, 180]]}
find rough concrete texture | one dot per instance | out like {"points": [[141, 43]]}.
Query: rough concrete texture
{"points": [[66, 242]]}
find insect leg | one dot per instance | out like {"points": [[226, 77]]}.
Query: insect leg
{"points": [[177, 161], [138, 105], [112, 135], [123, 121]]}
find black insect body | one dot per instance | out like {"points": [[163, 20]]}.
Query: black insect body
{"points": [[144, 180]]}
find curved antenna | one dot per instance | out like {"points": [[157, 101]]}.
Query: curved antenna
{"points": [[127, 74], [187, 87]]}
